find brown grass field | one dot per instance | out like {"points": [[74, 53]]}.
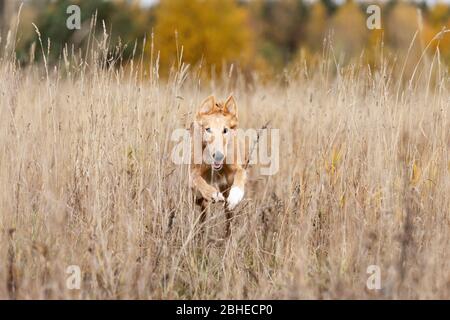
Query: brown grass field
{"points": [[86, 179]]}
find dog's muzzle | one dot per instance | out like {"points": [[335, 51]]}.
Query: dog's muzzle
{"points": [[218, 160]]}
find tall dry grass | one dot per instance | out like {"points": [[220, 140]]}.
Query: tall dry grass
{"points": [[86, 179]]}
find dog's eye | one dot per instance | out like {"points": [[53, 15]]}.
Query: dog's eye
{"points": [[225, 130], [208, 130]]}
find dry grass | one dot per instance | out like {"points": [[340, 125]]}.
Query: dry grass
{"points": [[86, 179]]}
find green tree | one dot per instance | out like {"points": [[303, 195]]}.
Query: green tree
{"points": [[280, 28], [125, 23]]}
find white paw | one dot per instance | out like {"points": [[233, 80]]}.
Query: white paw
{"points": [[235, 196], [217, 196]]}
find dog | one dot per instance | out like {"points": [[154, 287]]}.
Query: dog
{"points": [[219, 175]]}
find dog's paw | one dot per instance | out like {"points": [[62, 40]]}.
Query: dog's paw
{"points": [[235, 196], [217, 197]]}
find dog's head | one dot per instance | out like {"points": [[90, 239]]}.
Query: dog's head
{"points": [[217, 121]]}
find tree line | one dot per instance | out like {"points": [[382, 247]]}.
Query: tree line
{"points": [[260, 34]]}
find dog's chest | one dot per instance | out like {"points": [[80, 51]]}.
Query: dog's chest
{"points": [[217, 180]]}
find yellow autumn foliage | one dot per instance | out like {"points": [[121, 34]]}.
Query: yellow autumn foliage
{"points": [[438, 20], [317, 25], [210, 32], [349, 17]]}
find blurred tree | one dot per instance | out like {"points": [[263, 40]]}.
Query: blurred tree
{"points": [[2, 12], [8, 21], [439, 14], [280, 28], [124, 20], [330, 5], [130, 23], [7, 11], [402, 23], [52, 22], [374, 48], [438, 18], [350, 30], [277, 32], [374, 51], [317, 26], [212, 32]]}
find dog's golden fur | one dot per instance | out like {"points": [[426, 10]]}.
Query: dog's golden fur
{"points": [[223, 179]]}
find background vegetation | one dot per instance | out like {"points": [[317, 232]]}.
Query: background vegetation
{"points": [[261, 35]]}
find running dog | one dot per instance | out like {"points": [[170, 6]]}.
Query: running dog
{"points": [[219, 175]]}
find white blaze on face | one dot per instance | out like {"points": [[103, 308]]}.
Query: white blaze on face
{"points": [[217, 119], [216, 134], [235, 196]]}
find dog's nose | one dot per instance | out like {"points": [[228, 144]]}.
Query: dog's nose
{"points": [[218, 156]]}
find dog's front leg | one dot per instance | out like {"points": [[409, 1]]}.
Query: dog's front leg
{"points": [[237, 189], [207, 191]]}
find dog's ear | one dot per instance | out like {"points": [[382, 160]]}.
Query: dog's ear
{"points": [[230, 106], [206, 106]]}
